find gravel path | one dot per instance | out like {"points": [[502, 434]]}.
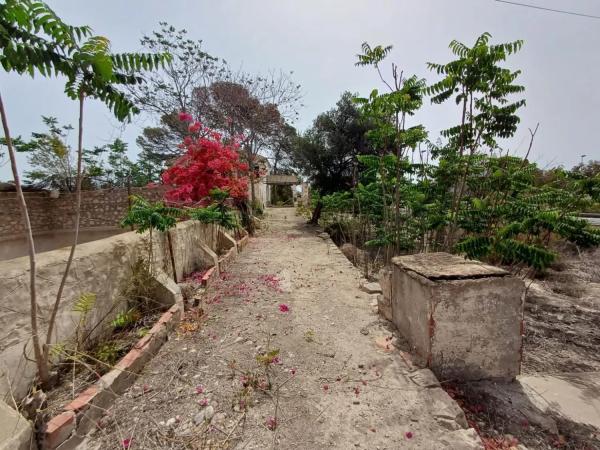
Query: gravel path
{"points": [[332, 383]]}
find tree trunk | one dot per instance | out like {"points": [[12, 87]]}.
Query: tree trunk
{"points": [[316, 213], [246, 214], [252, 178], [42, 367], [63, 281]]}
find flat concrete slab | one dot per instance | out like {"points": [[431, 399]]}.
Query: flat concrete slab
{"points": [[15, 430], [444, 266], [575, 396]]}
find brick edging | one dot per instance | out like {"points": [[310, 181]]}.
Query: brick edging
{"points": [[227, 259], [209, 276], [243, 242], [81, 415]]}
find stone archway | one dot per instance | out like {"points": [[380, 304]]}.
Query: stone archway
{"points": [[281, 189]]}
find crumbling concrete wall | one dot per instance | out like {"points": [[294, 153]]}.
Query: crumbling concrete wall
{"points": [[16, 432], [384, 300], [462, 317], [100, 267]]}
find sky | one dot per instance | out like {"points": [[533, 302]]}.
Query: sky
{"points": [[318, 40]]}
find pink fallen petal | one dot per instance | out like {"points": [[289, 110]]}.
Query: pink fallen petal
{"points": [[408, 435], [283, 307], [271, 423]]}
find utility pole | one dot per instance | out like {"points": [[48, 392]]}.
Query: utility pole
{"points": [[582, 156]]}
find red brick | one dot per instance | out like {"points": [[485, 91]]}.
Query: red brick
{"points": [[58, 429], [128, 360], [83, 400], [143, 341], [207, 276], [166, 317]]}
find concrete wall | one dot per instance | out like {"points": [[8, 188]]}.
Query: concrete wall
{"points": [[101, 267], [99, 208], [477, 328], [411, 308], [465, 324], [262, 193]]}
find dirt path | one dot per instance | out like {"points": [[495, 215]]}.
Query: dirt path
{"points": [[330, 385]]}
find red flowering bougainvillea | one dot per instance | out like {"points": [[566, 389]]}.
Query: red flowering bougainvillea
{"points": [[208, 163]]}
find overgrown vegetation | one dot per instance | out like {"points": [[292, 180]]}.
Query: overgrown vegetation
{"points": [[149, 216], [33, 39], [465, 193]]}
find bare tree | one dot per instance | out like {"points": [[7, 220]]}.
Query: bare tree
{"points": [[171, 89], [231, 108]]}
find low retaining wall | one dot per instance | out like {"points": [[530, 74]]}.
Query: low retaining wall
{"points": [[100, 267]]}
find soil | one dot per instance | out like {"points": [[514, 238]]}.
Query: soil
{"points": [[284, 351], [562, 335], [76, 376], [562, 316]]}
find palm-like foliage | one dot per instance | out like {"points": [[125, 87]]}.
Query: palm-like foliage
{"points": [[34, 39], [469, 200], [218, 212], [147, 216]]}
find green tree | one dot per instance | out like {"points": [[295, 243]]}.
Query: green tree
{"points": [[327, 152], [388, 112], [483, 90], [472, 197], [109, 166], [144, 216], [99, 74], [49, 155], [34, 39]]}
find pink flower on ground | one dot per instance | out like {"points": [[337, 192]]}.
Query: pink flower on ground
{"points": [[271, 423], [293, 371], [325, 387], [203, 402], [199, 389], [284, 308], [126, 443], [408, 435]]}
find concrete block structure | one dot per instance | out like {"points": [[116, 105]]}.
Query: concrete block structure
{"points": [[463, 318]]}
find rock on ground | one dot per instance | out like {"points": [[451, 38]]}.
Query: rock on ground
{"points": [[15, 431]]}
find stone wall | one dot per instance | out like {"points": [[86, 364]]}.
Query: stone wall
{"points": [[40, 213], [101, 267], [99, 208]]}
